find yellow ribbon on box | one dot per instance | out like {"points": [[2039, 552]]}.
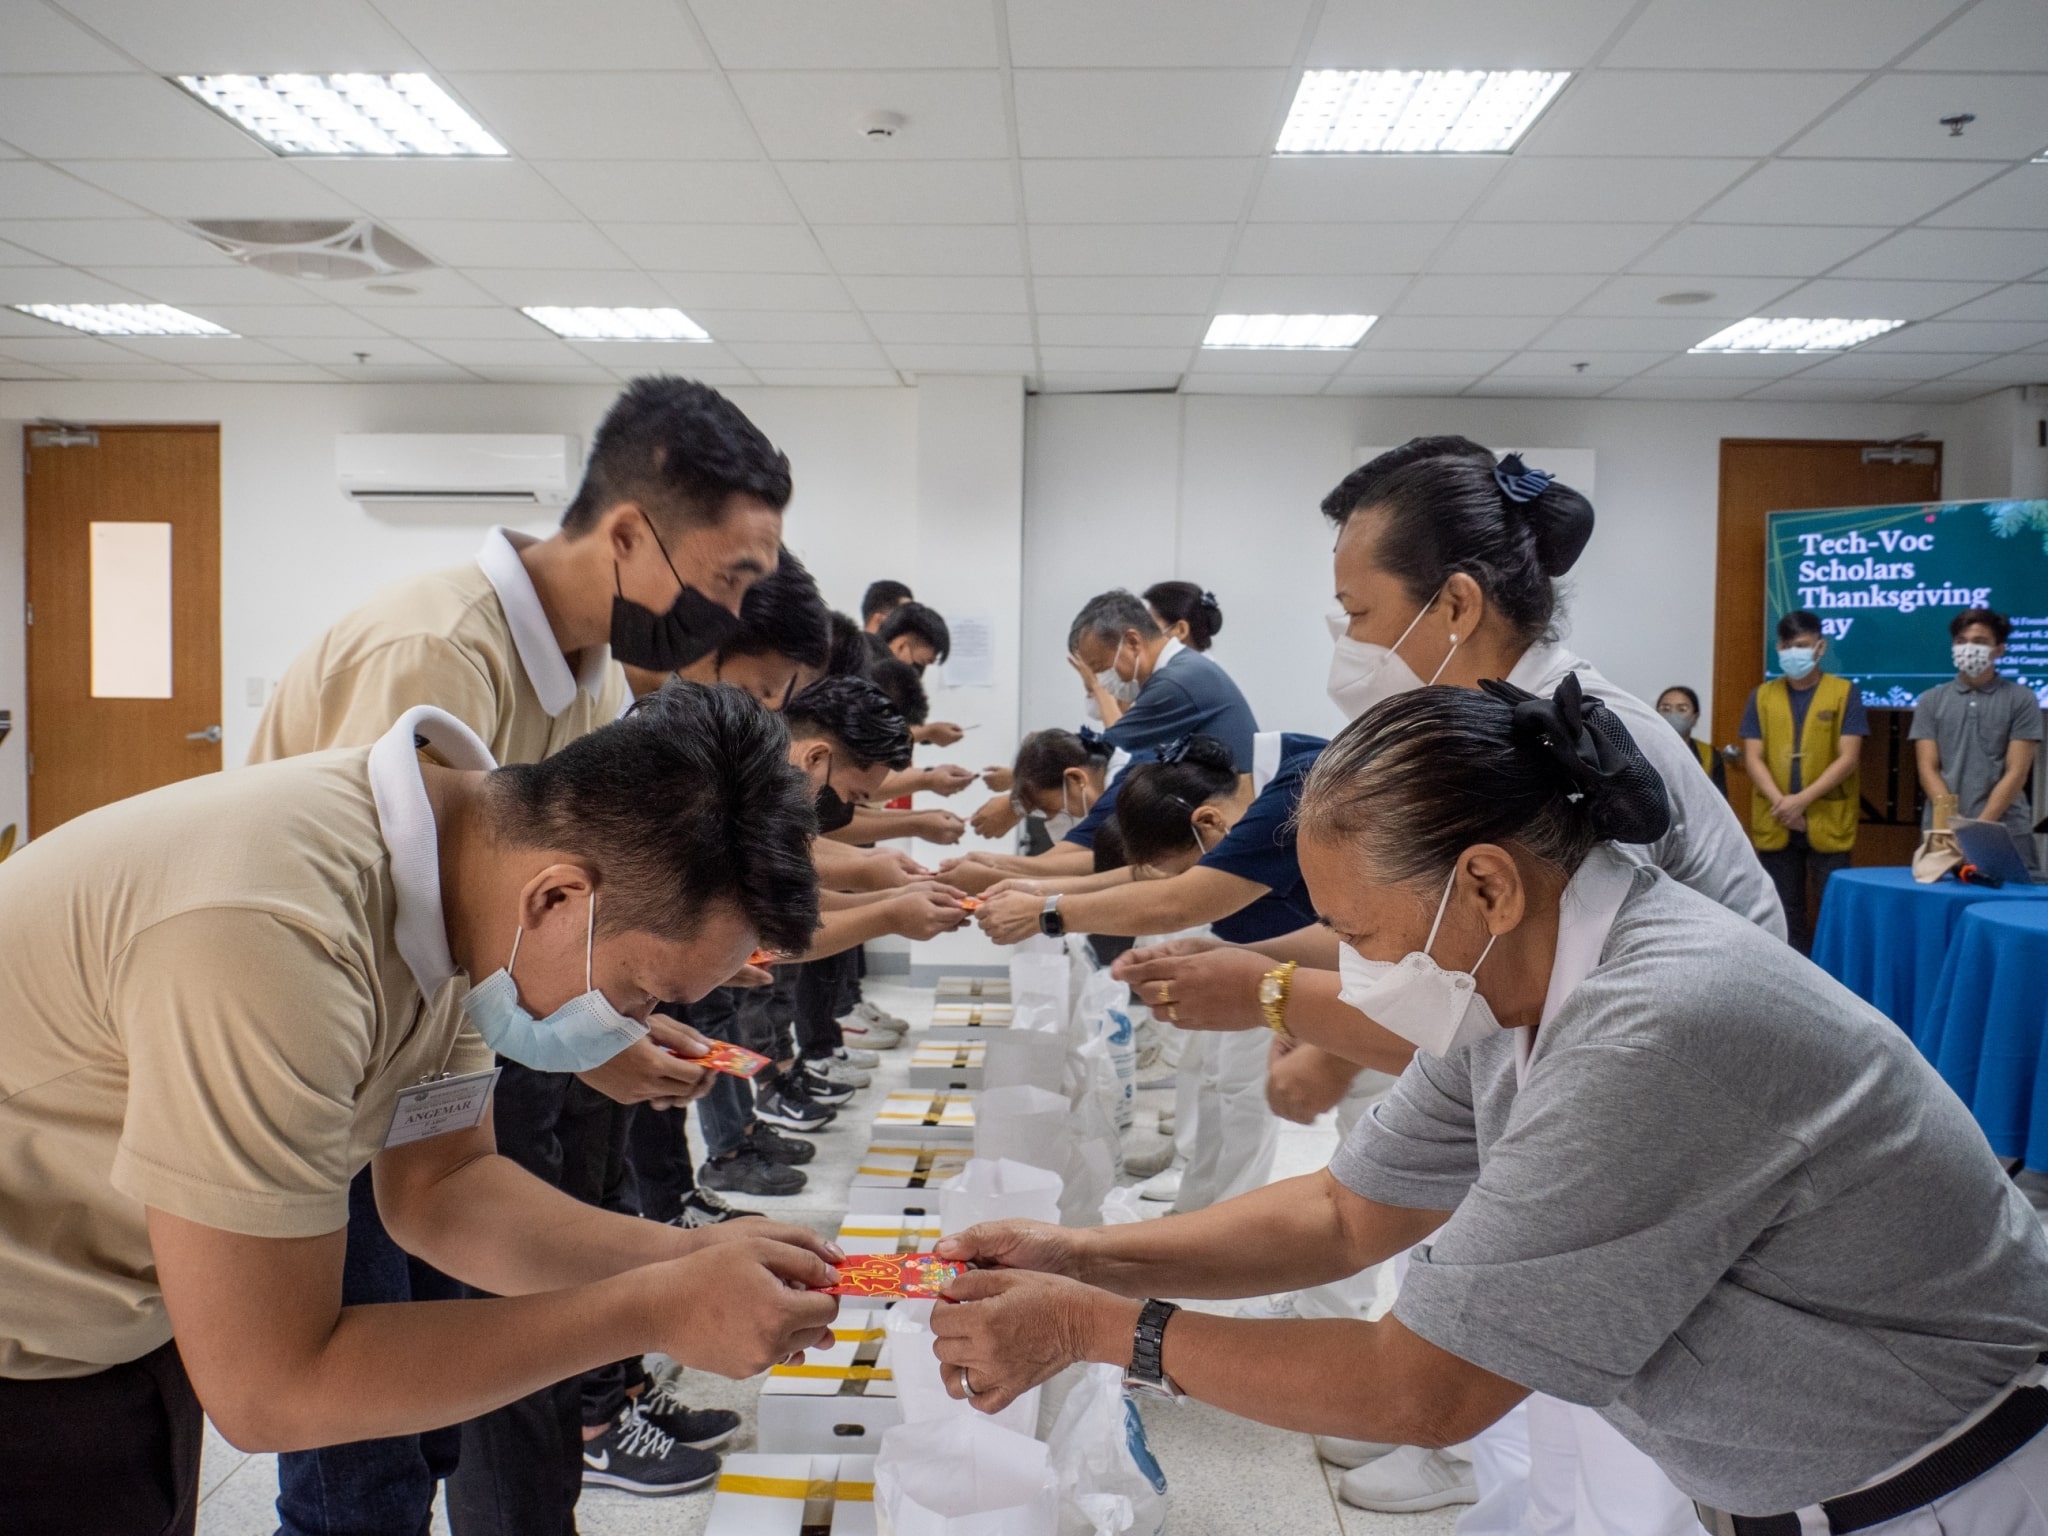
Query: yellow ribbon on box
{"points": [[796, 1488], [834, 1372]]}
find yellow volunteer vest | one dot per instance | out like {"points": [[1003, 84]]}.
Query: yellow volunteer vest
{"points": [[1705, 754], [1830, 820]]}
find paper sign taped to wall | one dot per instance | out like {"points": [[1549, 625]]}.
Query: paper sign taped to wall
{"points": [[972, 663]]}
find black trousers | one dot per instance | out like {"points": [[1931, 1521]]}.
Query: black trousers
{"points": [[825, 990], [115, 1453], [1791, 868]]}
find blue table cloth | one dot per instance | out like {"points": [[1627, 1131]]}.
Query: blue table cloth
{"points": [[1984, 1028], [1884, 936]]}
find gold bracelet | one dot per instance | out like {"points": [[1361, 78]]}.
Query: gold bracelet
{"points": [[1274, 988]]}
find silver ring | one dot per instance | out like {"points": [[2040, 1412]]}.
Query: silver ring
{"points": [[966, 1385]]}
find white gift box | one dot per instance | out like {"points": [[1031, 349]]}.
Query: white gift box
{"points": [[967, 1020], [860, 1232], [788, 1495], [840, 1400], [953, 1064], [987, 989], [927, 1115], [900, 1176]]}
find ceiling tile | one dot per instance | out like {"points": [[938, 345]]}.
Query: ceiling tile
{"points": [[484, 243], [1502, 387], [1469, 34], [426, 289], [1269, 360], [573, 286], [937, 249], [538, 351], [1844, 192], [1980, 336], [808, 354], [1873, 298], [1947, 393], [1504, 295], [42, 40], [265, 321], [718, 191], [695, 358], [1583, 334], [1991, 254], [784, 324], [830, 378], [1115, 359], [204, 349], [264, 373], [214, 189], [1117, 250], [1183, 331], [133, 371], [542, 34], [62, 348], [15, 256], [1557, 189], [1163, 112], [1087, 34], [1454, 333], [1994, 34], [32, 191], [1330, 294], [850, 34], [1732, 296], [2021, 301], [1912, 367], [903, 191], [620, 115], [1147, 191], [256, 36], [818, 114], [719, 247], [432, 323], [1306, 248], [17, 373], [115, 117], [1901, 115], [1588, 365], [228, 283], [110, 242], [390, 352], [1598, 248], [1124, 295], [1758, 250], [763, 290], [1434, 363], [1732, 365], [916, 358], [950, 330], [1106, 382], [1198, 383], [1766, 34], [2020, 368], [575, 373], [443, 189], [1683, 112], [1401, 385], [1811, 386], [1671, 389], [2016, 200], [1321, 188]]}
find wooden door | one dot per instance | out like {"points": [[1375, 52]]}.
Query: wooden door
{"points": [[123, 694], [1764, 475]]}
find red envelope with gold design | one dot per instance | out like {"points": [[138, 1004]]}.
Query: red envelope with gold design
{"points": [[910, 1276], [733, 1060]]}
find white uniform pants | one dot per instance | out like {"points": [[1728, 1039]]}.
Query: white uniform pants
{"points": [[2009, 1500], [1585, 1479], [1356, 1296], [1235, 1132]]}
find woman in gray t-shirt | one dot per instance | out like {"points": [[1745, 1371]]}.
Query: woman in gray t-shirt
{"points": [[1681, 1175]]}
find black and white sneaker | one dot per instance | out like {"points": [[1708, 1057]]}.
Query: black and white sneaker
{"points": [[702, 1208], [702, 1429], [816, 1087], [641, 1457], [747, 1172], [790, 1111], [777, 1148]]}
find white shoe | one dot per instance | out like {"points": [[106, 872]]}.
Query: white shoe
{"points": [[1161, 1186], [869, 1036], [876, 1018], [1147, 1156], [847, 1056], [838, 1074], [1339, 1452], [1407, 1480], [1168, 1120], [1268, 1309]]}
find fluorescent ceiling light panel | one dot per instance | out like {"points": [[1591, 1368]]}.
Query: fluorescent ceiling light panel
{"points": [[1773, 333], [345, 114], [589, 324], [1325, 333], [1415, 111], [124, 319]]}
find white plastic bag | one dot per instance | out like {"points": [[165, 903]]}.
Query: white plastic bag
{"points": [[1023, 1058], [963, 1477], [1093, 1151], [1024, 1124], [998, 1189], [921, 1392], [1120, 1206], [1103, 1013], [1109, 1483], [1039, 972]]}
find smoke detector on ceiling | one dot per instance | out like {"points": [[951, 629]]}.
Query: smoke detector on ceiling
{"points": [[319, 250], [878, 126], [1687, 296]]}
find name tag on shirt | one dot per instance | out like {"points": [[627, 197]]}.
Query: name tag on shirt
{"points": [[446, 1104]]}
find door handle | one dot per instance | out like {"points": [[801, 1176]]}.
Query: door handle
{"points": [[210, 734]]}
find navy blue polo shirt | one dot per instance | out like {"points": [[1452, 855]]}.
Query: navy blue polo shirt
{"points": [[1083, 831], [1261, 848], [1189, 695]]}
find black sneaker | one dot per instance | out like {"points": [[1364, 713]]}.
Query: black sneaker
{"points": [[819, 1089], [777, 1148], [641, 1457], [703, 1429], [701, 1208], [791, 1111], [749, 1173]]}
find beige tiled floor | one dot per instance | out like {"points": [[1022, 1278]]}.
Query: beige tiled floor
{"points": [[1224, 1475]]}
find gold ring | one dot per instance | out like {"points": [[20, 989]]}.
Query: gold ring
{"points": [[1166, 994]]}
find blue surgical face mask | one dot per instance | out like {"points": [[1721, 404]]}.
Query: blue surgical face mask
{"points": [[1796, 661], [583, 1033]]}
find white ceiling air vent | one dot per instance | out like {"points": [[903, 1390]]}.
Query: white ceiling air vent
{"points": [[319, 249], [527, 469]]}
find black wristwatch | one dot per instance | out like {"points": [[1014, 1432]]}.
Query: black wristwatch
{"points": [[1050, 923], [1147, 1373]]}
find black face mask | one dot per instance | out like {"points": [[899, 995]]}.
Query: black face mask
{"points": [[834, 810], [693, 627]]}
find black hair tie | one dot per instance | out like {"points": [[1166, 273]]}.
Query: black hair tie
{"points": [[1174, 751], [1093, 739], [1592, 755], [1518, 482], [1208, 601]]}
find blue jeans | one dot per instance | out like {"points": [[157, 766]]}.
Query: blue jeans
{"points": [[370, 1487]]}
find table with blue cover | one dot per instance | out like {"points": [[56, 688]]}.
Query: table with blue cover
{"points": [[1985, 1026], [1885, 936]]}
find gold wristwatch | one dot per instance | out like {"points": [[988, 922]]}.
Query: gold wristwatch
{"points": [[1273, 989]]}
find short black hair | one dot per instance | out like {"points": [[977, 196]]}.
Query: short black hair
{"points": [[1691, 697], [915, 619], [1156, 801], [905, 688], [1183, 602], [848, 656], [1044, 757], [1997, 623], [783, 614], [882, 597], [856, 716], [685, 805], [1362, 487], [679, 450], [1799, 622], [1107, 615]]}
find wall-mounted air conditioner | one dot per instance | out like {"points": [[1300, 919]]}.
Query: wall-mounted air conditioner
{"points": [[530, 469]]}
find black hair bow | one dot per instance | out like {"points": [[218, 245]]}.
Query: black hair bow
{"points": [[1208, 600], [1174, 751], [1092, 738], [1592, 755], [1518, 482]]}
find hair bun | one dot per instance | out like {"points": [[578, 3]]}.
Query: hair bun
{"points": [[1592, 756], [1559, 517], [1202, 751]]}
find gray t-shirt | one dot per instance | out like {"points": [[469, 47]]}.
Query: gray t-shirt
{"points": [[1971, 728], [1731, 1207]]}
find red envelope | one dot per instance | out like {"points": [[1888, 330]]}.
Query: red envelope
{"points": [[911, 1276], [970, 903], [733, 1060]]}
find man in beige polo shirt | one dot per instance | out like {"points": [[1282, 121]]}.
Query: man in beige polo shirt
{"points": [[217, 1009]]}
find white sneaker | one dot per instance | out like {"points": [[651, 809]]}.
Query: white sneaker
{"points": [[1339, 1452], [1168, 1122], [1161, 1186], [1145, 1156], [873, 1037], [1268, 1309], [1407, 1480], [876, 1018], [837, 1073], [847, 1056]]}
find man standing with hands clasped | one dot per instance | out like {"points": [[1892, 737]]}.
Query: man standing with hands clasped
{"points": [[1975, 736]]}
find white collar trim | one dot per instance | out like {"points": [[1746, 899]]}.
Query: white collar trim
{"points": [[406, 819], [540, 656], [1585, 916]]}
